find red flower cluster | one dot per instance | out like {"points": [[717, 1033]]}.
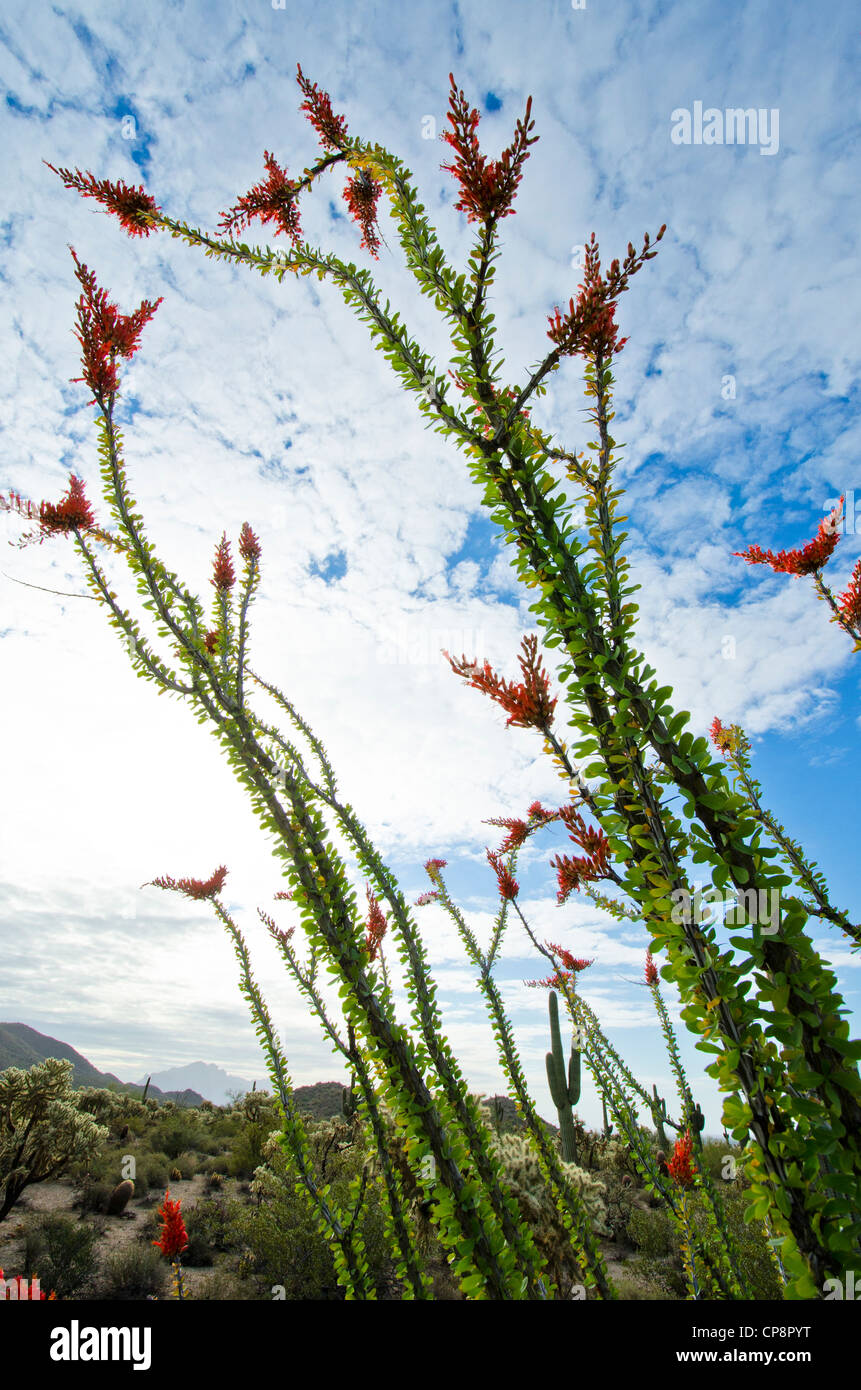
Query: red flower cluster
{"points": [[519, 830], [249, 545], [223, 576], [850, 602], [572, 965], [72, 513], [508, 886], [805, 561], [174, 1238], [194, 887], [105, 334], [22, 1289], [376, 928], [651, 970], [680, 1167], [590, 327], [273, 200], [487, 189], [331, 129], [361, 194], [528, 704], [572, 871], [135, 209]]}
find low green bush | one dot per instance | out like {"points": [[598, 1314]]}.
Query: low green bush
{"points": [[135, 1272], [62, 1253]]}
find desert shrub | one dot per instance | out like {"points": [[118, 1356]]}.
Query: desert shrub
{"points": [[225, 1286], [62, 1252], [93, 1195], [188, 1165], [210, 1225], [538, 1209], [755, 1262], [133, 1273], [247, 1152], [152, 1170], [658, 1262], [42, 1132], [219, 1164], [279, 1240], [176, 1134]]}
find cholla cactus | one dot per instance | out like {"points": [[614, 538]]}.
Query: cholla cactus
{"points": [[42, 1130], [529, 1187]]}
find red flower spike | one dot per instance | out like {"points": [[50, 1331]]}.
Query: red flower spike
{"points": [[210, 641], [589, 327], [136, 210], [850, 602], [331, 129], [223, 576], [249, 545], [274, 200], [72, 513], [376, 928], [105, 334], [808, 560], [361, 195], [174, 1238], [573, 964], [194, 887], [680, 1167], [518, 832], [528, 704], [651, 970], [508, 886], [487, 189], [432, 865]]}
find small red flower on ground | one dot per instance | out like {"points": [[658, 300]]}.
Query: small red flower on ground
{"points": [[174, 1238]]}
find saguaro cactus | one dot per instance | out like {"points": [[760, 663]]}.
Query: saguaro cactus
{"points": [[565, 1093]]}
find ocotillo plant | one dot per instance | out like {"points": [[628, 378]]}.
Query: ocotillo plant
{"points": [[564, 1089], [782, 1053]]}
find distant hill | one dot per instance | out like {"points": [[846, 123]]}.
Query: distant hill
{"points": [[23, 1047], [210, 1081]]}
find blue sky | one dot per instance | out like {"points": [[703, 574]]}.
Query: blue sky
{"points": [[736, 397]]}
